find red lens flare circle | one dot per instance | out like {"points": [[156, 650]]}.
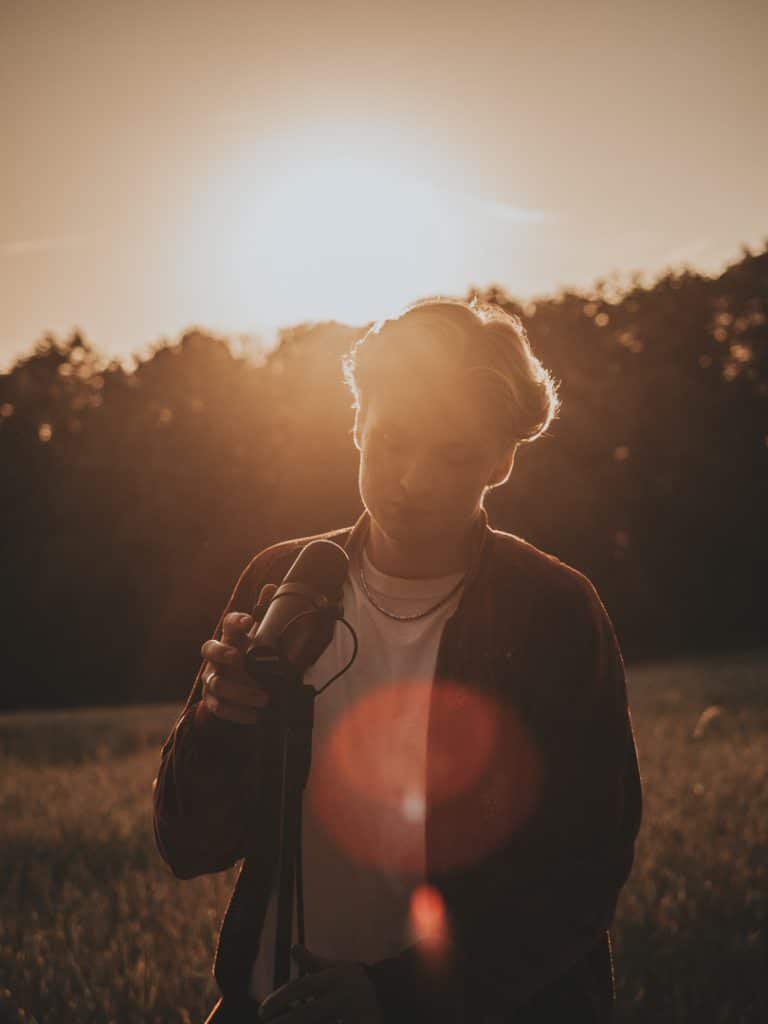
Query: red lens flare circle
{"points": [[416, 761]]}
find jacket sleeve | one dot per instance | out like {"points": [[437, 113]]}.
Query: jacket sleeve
{"points": [[525, 915], [211, 777]]}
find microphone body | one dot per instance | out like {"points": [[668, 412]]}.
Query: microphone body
{"points": [[299, 621]]}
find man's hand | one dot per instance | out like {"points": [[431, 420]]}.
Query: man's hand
{"points": [[228, 690], [332, 991]]}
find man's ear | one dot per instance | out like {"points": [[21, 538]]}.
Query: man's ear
{"points": [[504, 468]]}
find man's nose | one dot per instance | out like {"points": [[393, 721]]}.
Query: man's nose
{"points": [[417, 479]]}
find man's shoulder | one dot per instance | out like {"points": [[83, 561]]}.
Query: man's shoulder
{"points": [[519, 563], [560, 600]]}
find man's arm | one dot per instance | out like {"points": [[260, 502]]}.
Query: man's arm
{"points": [[529, 912], [209, 784]]}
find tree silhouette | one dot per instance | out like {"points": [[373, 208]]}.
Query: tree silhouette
{"points": [[134, 498]]}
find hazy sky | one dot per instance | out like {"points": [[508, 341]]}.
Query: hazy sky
{"points": [[238, 165]]}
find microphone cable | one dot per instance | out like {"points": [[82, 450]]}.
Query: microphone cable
{"points": [[352, 633], [349, 664]]}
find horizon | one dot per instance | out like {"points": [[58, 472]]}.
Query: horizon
{"points": [[258, 345]]}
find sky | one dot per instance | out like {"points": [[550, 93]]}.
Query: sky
{"points": [[239, 166]]}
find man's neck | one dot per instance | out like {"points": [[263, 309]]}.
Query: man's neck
{"points": [[441, 557]]}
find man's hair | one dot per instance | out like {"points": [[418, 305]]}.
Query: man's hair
{"points": [[481, 342]]}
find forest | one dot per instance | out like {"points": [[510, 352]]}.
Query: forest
{"points": [[134, 496]]}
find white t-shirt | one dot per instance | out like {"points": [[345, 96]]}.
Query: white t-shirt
{"points": [[364, 803]]}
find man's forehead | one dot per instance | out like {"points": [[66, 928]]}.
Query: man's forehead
{"points": [[417, 408]]}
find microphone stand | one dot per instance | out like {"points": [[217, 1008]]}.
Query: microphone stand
{"points": [[295, 707], [276, 660], [294, 703]]}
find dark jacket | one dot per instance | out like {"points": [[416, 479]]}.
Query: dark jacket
{"points": [[529, 918]]}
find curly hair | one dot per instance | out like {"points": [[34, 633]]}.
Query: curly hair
{"points": [[487, 346]]}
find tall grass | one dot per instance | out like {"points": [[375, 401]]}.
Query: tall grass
{"points": [[94, 928]]}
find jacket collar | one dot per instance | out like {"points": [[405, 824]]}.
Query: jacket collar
{"points": [[480, 543]]}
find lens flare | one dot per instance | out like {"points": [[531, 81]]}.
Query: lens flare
{"points": [[428, 923], [418, 776]]}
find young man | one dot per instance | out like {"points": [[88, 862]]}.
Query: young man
{"points": [[474, 796]]}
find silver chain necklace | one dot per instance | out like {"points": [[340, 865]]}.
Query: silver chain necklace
{"points": [[406, 618]]}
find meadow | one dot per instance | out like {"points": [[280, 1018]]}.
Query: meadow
{"points": [[94, 928]]}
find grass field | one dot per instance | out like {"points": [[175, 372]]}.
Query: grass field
{"points": [[94, 928]]}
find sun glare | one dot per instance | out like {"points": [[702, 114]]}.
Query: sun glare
{"points": [[328, 235], [352, 234]]}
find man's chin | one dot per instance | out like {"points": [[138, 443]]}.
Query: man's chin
{"points": [[409, 530]]}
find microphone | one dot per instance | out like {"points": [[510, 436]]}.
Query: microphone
{"points": [[299, 621]]}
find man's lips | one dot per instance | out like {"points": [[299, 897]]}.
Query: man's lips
{"points": [[408, 511]]}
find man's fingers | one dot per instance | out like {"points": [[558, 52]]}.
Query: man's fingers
{"points": [[236, 693], [234, 712], [219, 653], [234, 629]]}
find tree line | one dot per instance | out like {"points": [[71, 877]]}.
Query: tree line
{"points": [[134, 497]]}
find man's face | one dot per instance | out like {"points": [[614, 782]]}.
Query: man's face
{"points": [[425, 460]]}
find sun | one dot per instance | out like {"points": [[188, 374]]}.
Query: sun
{"points": [[305, 230], [354, 235]]}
